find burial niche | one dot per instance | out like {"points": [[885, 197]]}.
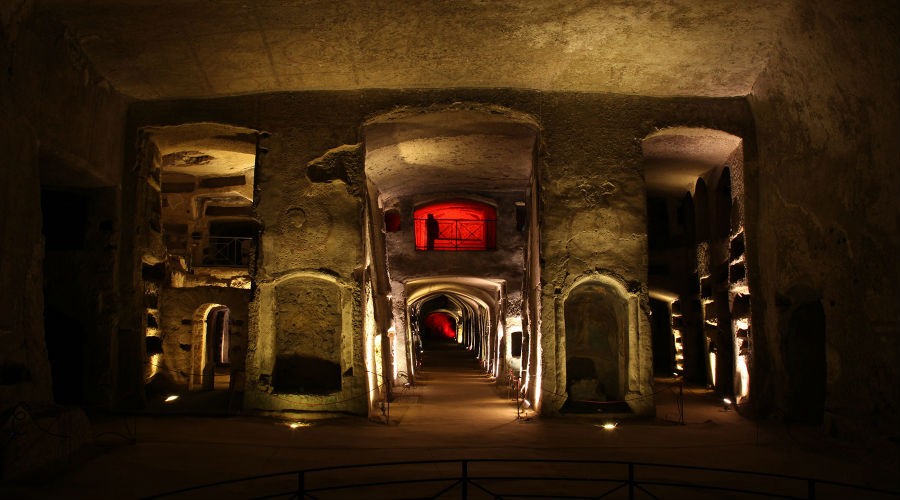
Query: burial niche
{"points": [[595, 324], [308, 338], [803, 351]]}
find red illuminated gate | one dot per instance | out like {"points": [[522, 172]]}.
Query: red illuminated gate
{"points": [[456, 225]]}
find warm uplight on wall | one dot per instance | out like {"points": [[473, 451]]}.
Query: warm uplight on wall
{"points": [[744, 376], [742, 324], [171, 398]]}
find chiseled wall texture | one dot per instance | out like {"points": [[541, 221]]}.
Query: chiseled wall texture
{"points": [[826, 111], [59, 123]]}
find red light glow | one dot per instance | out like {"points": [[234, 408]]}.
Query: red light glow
{"points": [[440, 325], [458, 225]]}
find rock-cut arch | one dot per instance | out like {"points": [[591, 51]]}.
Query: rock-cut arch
{"points": [[595, 328]]}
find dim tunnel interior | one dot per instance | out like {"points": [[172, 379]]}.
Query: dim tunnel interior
{"points": [[447, 321]]}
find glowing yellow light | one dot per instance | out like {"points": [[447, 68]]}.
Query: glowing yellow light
{"points": [[726, 401], [297, 425], [171, 398], [608, 426], [742, 324], [744, 373]]}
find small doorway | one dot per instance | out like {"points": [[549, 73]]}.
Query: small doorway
{"points": [[803, 351], [218, 341], [211, 361]]}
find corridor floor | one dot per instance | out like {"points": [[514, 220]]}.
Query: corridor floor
{"points": [[453, 411]]}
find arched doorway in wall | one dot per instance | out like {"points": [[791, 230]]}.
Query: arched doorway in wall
{"points": [[195, 191], [595, 327], [693, 169], [210, 361], [444, 321], [804, 358], [470, 167]]}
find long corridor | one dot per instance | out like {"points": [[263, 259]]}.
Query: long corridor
{"points": [[451, 391]]}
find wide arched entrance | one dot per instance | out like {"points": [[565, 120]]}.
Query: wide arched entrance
{"points": [[451, 197]]}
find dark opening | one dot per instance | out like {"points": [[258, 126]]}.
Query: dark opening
{"points": [[154, 345], [65, 220], [521, 217], [701, 212], [65, 336], [515, 344], [803, 344], [594, 317], [657, 223], [296, 374], [392, 221], [723, 205], [663, 341], [218, 335], [68, 304]]}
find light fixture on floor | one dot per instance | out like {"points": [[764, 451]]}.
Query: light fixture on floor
{"points": [[608, 426], [297, 425], [171, 398], [726, 404]]}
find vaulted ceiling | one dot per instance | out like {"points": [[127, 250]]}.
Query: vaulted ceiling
{"points": [[163, 49]]}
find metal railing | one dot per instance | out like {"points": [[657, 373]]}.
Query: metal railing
{"points": [[228, 251], [525, 478], [456, 234]]}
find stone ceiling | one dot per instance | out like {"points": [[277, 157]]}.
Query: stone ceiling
{"points": [[162, 49], [458, 149]]}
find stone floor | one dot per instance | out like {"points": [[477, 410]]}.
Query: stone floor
{"points": [[453, 412]]}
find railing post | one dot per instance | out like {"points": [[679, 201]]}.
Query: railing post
{"points": [[301, 485], [464, 480], [811, 489], [630, 481]]}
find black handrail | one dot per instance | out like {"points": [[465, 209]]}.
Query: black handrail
{"points": [[466, 479], [228, 251]]}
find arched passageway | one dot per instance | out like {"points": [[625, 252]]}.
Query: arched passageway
{"points": [[450, 234], [695, 198], [210, 363]]}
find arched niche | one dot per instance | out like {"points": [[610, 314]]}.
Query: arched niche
{"points": [[596, 326], [803, 354], [308, 318]]}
